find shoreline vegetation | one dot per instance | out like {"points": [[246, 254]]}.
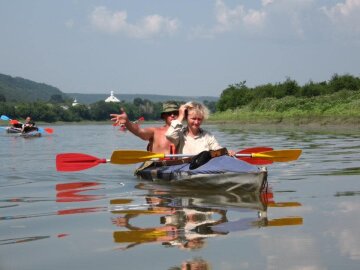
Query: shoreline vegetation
{"points": [[339, 109], [328, 104]]}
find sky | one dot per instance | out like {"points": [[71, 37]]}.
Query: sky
{"points": [[180, 48]]}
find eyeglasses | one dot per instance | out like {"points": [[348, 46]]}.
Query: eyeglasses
{"points": [[176, 113]]}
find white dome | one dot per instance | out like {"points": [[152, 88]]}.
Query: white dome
{"points": [[112, 98]]}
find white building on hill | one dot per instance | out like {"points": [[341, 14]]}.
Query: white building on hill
{"points": [[112, 98], [75, 102]]}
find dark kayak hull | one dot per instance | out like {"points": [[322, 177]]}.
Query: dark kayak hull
{"points": [[226, 173], [13, 130], [17, 132]]}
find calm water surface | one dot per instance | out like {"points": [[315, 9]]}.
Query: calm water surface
{"points": [[104, 218]]}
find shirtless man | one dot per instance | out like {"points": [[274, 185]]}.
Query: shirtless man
{"points": [[155, 135]]}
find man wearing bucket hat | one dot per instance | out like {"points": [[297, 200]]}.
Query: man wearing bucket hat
{"points": [[155, 135]]}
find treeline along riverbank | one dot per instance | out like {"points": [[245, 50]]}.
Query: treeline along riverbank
{"points": [[336, 101], [340, 108]]}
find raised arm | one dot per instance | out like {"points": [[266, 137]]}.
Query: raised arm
{"points": [[122, 118], [173, 133]]}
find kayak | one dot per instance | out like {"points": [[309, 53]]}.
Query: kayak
{"points": [[224, 172], [16, 131], [13, 130]]}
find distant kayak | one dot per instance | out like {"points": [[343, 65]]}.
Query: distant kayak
{"points": [[224, 172], [17, 132]]}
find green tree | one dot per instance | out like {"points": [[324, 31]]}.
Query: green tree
{"points": [[56, 99], [312, 89], [346, 81], [232, 97], [211, 105], [138, 101], [7, 109], [101, 110], [80, 112]]}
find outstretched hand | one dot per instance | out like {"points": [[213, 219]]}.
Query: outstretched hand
{"points": [[119, 119]]}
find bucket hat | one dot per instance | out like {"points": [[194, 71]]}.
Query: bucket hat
{"points": [[170, 106]]}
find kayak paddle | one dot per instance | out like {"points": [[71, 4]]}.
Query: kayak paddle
{"points": [[135, 156], [47, 130], [70, 162], [77, 161]]}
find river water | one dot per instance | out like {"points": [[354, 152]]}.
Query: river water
{"points": [[105, 218]]}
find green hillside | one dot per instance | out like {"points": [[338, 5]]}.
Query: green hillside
{"points": [[16, 89]]}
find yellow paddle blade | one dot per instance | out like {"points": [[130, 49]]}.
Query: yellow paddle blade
{"points": [[139, 236], [279, 155], [133, 156], [285, 221]]}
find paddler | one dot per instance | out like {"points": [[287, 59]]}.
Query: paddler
{"points": [[192, 139], [28, 126], [155, 135]]}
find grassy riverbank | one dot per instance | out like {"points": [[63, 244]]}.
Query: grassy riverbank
{"points": [[340, 108]]}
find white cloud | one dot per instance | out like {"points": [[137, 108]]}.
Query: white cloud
{"points": [[228, 19], [266, 2], [345, 15], [105, 20], [345, 222], [273, 16], [236, 19], [254, 18]]}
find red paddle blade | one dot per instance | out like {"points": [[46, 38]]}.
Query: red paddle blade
{"points": [[255, 161], [49, 130], [71, 162]]}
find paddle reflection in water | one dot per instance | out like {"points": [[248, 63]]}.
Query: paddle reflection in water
{"points": [[74, 191], [188, 218]]}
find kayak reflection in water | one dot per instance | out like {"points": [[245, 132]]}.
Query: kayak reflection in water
{"points": [[186, 221], [183, 227]]}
